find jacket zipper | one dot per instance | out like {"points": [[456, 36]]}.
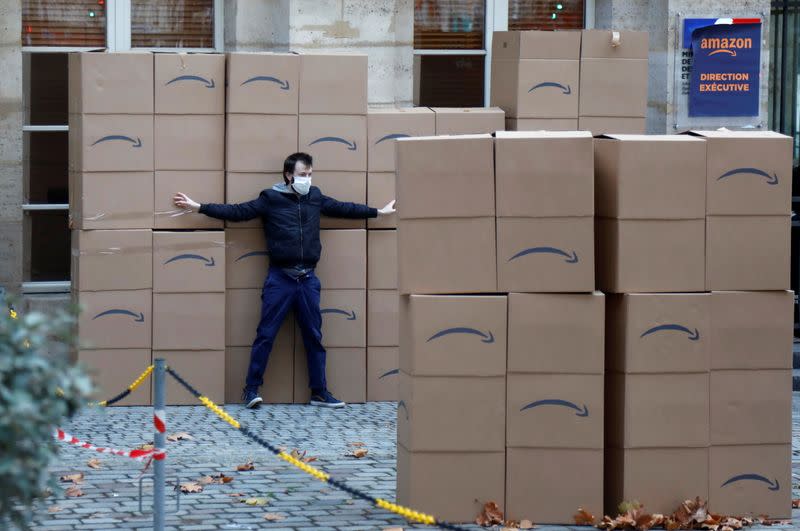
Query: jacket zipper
{"points": [[300, 217]]}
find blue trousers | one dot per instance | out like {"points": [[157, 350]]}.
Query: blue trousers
{"points": [[281, 293]]}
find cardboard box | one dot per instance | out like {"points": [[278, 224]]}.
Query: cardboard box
{"points": [[115, 319], [453, 335], [129, 206], [445, 177], [647, 256], [432, 417], [600, 43], [343, 186], [468, 120], [547, 485], [545, 254], [189, 321], [747, 253], [468, 242], [544, 174], [613, 124], [659, 333], [660, 478], [556, 333], [383, 316], [751, 480], [112, 371], [650, 177], [242, 316], [202, 186], [752, 330], [536, 88], [204, 369], [263, 83], [333, 84], [751, 407], [541, 124], [110, 142], [343, 264], [190, 142], [105, 260], [381, 190], [110, 83], [516, 45], [748, 173], [189, 262], [243, 187], [643, 410], [246, 258], [189, 83], [452, 485], [554, 411], [382, 259], [383, 374], [344, 317], [336, 142], [386, 125], [259, 142], [346, 373]]}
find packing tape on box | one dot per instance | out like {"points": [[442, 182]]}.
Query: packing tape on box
{"points": [[173, 213], [137, 249]]}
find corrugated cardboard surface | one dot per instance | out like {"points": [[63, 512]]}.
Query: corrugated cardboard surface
{"points": [[111, 200], [189, 83], [382, 259], [205, 369], [459, 258], [242, 316], [383, 374], [343, 264], [112, 260], [613, 87], [110, 142], [452, 485], [386, 125], [468, 120], [556, 333], [381, 190], [263, 83], [259, 142], [202, 186], [751, 330], [246, 259], [342, 186], [346, 373], [541, 124], [453, 335], [188, 262], [336, 142], [747, 253], [544, 174], [243, 187], [383, 317], [536, 88], [545, 254], [110, 83], [513, 45], [599, 43], [548, 485], [344, 317], [333, 84], [613, 124], [658, 333], [189, 142], [433, 416], [111, 370], [115, 319], [189, 321]]}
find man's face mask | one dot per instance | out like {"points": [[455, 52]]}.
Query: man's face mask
{"points": [[301, 184]]}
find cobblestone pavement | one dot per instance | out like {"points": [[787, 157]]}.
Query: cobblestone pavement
{"points": [[110, 498]]}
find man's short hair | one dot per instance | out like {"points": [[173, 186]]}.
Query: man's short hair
{"points": [[291, 161]]}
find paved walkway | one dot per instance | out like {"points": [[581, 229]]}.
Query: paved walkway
{"points": [[110, 498]]}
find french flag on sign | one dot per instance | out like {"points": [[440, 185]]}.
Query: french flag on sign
{"points": [[691, 24]]}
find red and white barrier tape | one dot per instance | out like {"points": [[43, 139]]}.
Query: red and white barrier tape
{"points": [[138, 455], [160, 420]]}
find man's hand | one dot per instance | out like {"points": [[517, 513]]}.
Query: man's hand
{"points": [[185, 202], [388, 209]]}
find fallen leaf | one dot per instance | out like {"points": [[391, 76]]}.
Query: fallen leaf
{"points": [[74, 492], [309, 459], [74, 478], [358, 453], [392, 529], [527, 524], [219, 479], [205, 480], [490, 515], [235, 494], [356, 444], [796, 503], [182, 436], [274, 517], [246, 467], [583, 517], [54, 509], [191, 486], [95, 463], [146, 446], [256, 501]]}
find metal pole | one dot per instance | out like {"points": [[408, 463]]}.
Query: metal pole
{"points": [[160, 443]]}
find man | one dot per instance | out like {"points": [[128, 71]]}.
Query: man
{"points": [[290, 211]]}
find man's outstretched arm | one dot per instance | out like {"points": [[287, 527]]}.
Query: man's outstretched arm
{"points": [[341, 209], [237, 212]]}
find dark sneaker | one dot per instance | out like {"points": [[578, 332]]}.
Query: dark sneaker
{"points": [[325, 399], [250, 398]]}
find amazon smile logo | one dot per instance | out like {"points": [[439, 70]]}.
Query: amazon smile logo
{"points": [[351, 315], [208, 83], [110, 138], [725, 46], [771, 484], [137, 317], [570, 258], [351, 146], [392, 136], [252, 254], [579, 411], [693, 335], [770, 179], [485, 338], [282, 84], [389, 373], [565, 89], [208, 262]]}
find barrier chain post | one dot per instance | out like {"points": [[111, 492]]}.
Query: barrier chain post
{"points": [[159, 442]]}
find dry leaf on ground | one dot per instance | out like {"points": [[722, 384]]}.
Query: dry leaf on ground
{"points": [[256, 501], [146, 446], [526, 524], [191, 486], [301, 456], [95, 463], [358, 453], [74, 478], [182, 436], [796, 503], [490, 515], [54, 509], [392, 529], [74, 492], [356, 444], [235, 494], [245, 467], [583, 517], [274, 517], [219, 479]]}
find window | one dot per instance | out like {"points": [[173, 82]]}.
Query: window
{"points": [[172, 24], [545, 14], [64, 23]]}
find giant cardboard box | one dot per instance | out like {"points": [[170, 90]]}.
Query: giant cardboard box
{"points": [[128, 206], [112, 371], [381, 190], [244, 187], [384, 126], [343, 264], [336, 142], [547, 485], [556, 333], [186, 262], [468, 242], [344, 317], [112, 260], [242, 316], [346, 373], [259, 142], [541, 124], [333, 84], [748, 173], [751, 480], [613, 124], [432, 417], [457, 335], [544, 174], [110, 83], [263, 83], [445, 177], [468, 120], [748, 252], [383, 317], [115, 319], [646, 256], [383, 374], [452, 485], [189, 142], [554, 411], [189, 321], [382, 259], [515, 45], [658, 333], [752, 330], [545, 254], [650, 177], [189, 83], [203, 369], [111, 142], [202, 186], [346, 186], [246, 258]]}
